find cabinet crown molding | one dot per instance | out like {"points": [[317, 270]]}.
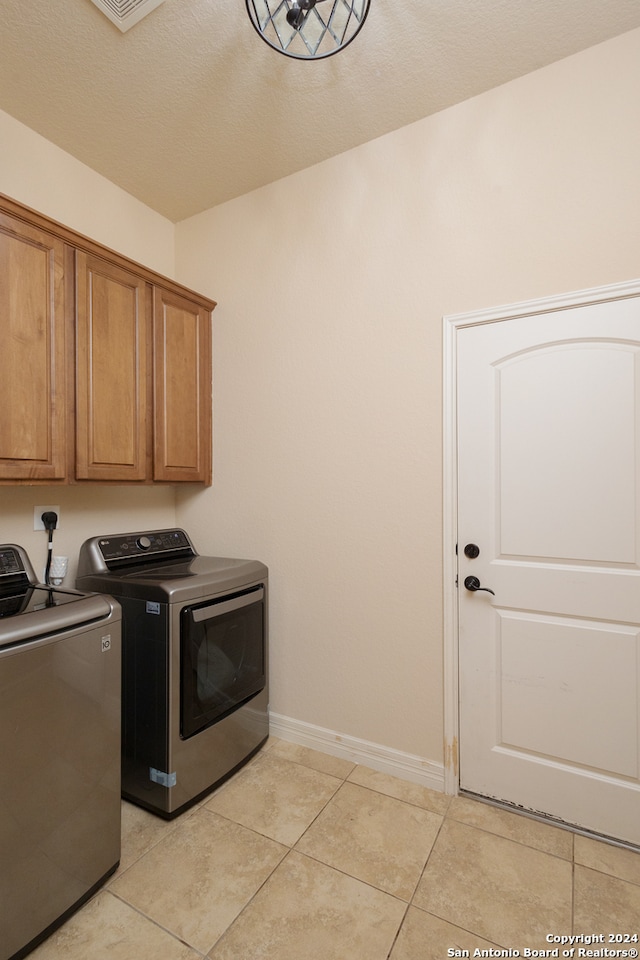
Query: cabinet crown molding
{"points": [[80, 242]]}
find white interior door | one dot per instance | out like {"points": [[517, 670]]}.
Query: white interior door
{"points": [[549, 491]]}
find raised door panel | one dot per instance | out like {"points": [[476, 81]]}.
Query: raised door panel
{"points": [[32, 308], [113, 378], [182, 379]]}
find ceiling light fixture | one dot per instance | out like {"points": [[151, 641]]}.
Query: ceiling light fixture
{"points": [[300, 30]]}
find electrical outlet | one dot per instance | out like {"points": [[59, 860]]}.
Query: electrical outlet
{"points": [[37, 516]]}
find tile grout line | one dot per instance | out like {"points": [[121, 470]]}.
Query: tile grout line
{"points": [[248, 903], [172, 826], [471, 933], [573, 884], [290, 849], [155, 923], [299, 853]]}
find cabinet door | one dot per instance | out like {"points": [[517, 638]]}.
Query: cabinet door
{"points": [[113, 380], [32, 353], [182, 384]]}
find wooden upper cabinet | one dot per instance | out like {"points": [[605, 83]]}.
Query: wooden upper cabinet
{"points": [[105, 365], [182, 386], [32, 353], [113, 376]]}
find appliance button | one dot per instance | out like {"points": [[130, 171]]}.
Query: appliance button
{"points": [[143, 542]]}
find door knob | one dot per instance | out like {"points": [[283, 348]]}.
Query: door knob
{"points": [[473, 584]]}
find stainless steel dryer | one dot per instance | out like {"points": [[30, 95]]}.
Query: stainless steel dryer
{"points": [[59, 751], [195, 681]]}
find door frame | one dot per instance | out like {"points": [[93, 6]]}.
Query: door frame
{"points": [[452, 324]]}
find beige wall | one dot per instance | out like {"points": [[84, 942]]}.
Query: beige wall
{"points": [[331, 286], [37, 173], [84, 512], [42, 176]]}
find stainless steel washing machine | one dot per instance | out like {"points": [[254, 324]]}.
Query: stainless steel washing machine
{"points": [[59, 751], [195, 690]]}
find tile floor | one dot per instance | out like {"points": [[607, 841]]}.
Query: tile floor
{"points": [[305, 857]]}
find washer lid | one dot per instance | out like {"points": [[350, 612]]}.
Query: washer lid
{"points": [[40, 611]]}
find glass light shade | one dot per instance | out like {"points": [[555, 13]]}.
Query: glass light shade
{"points": [[308, 29]]}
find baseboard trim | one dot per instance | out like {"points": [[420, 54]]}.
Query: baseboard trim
{"points": [[406, 766]]}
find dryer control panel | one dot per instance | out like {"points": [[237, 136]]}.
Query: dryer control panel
{"points": [[108, 553]]}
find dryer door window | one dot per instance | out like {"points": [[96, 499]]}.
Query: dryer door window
{"points": [[222, 657]]}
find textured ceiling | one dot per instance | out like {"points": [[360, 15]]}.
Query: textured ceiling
{"points": [[190, 108]]}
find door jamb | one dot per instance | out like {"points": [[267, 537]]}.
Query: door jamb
{"points": [[451, 325]]}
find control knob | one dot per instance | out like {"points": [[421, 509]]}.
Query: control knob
{"points": [[143, 542]]}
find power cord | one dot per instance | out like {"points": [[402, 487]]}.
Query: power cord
{"points": [[50, 521]]}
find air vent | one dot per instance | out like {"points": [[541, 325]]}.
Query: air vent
{"points": [[126, 13]]}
